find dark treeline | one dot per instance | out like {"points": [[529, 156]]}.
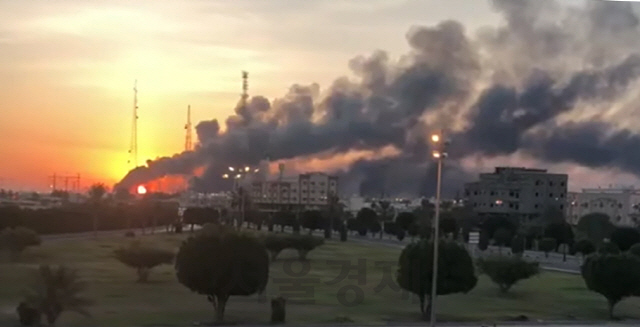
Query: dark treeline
{"points": [[79, 218]]}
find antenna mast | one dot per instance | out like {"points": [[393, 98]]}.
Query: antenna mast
{"points": [[188, 144], [245, 88], [133, 149]]}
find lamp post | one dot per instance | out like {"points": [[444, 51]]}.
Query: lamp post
{"points": [[439, 154], [237, 173]]}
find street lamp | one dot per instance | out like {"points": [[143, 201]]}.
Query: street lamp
{"points": [[439, 154], [239, 173]]}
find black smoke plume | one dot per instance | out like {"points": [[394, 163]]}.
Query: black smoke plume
{"points": [[514, 88]]}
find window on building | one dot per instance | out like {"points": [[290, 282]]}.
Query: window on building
{"points": [[491, 205], [305, 199], [550, 183], [561, 206], [538, 182], [535, 206], [550, 195], [312, 183], [475, 193], [601, 205], [618, 218], [537, 194], [562, 195], [517, 206], [294, 198], [585, 205], [561, 183], [466, 192], [511, 205], [619, 205], [475, 204]]}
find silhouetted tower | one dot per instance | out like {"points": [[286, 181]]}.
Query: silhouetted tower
{"points": [[245, 89], [133, 148], [188, 143]]}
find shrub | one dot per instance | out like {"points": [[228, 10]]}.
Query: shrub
{"points": [[143, 259], [404, 220], [56, 290], [608, 247], [15, 240], [275, 243], [583, 246], [597, 226], [222, 263], [548, 244], [400, 234], [635, 249], [507, 271], [615, 276], [625, 237], [305, 243], [455, 271], [343, 233]]}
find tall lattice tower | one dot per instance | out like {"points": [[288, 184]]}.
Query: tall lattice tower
{"points": [[245, 88], [188, 142], [133, 147]]}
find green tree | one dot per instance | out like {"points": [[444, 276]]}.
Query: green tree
{"points": [[584, 247], [404, 220], [595, 226], [563, 234], [455, 270], [608, 248], [547, 245], [615, 276], [143, 258], [507, 271], [56, 290], [625, 237], [635, 249], [16, 240], [240, 265], [96, 194]]}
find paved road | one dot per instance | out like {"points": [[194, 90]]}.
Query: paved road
{"points": [[553, 262]]}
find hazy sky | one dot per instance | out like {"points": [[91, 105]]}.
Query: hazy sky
{"points": [[67, 68]]}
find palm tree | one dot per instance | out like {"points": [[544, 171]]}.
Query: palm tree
{"points": [[56, 290], [96, 193]]}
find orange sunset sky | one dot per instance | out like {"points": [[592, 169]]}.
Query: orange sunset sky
{"points": [[67, 69]]}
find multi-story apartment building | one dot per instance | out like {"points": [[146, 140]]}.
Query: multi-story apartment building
{"points": [[622, 205], [522, 192], [306, 191]]}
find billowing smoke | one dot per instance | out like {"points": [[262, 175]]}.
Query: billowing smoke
{"points": [[546, 83]]}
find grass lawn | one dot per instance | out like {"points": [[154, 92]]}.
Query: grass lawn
{"points": [[163, 301]]}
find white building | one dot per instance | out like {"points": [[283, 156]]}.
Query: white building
{"points": [[308, 191], [522, 192], [620, 204]]}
